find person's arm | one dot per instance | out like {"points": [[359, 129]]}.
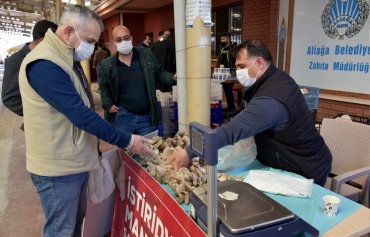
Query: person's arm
{"points": [[232, 59], [10, 94], [173, 52], [94, 61], [56, 88], [262, 113], [106, 96], [162, 75], [219, 58]]}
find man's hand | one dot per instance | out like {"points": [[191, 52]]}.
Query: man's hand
{"points": [[180, 159], [93, 66], [139, 147], [113, 109], [175, 77]]}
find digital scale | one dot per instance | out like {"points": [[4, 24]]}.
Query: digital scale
{"points": [[252, 214]]}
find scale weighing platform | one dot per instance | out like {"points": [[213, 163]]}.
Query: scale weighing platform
{"points": [[252, 214]]}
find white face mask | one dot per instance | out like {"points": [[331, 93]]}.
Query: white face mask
{"points": [[83, 51], [124, 47], [244, 78]]}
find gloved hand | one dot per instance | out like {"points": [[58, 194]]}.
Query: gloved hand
{"points": [[137, 146]]}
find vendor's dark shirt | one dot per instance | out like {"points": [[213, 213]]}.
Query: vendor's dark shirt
{"points": [[223, 55], [132, 86]]}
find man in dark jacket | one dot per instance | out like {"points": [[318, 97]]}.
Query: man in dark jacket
{"points": [[227, 60], [277, 116], [11, 95], [166, 55], [127, 88]]}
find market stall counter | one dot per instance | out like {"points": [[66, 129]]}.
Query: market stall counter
{"points": [[148, 208]]}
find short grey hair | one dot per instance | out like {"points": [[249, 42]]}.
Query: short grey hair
{"points": [[79, 16], [167, 35]]}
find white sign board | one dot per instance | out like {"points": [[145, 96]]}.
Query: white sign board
{"points": [[331, 44], [201, 8]]}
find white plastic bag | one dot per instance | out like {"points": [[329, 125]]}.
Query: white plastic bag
{"points": [[101, 184], [276, 183], [241, 154]]}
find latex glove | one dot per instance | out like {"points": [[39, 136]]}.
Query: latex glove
{"points": [[137, 146], [180, 159]]}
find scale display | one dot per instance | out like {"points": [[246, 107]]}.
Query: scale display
{"points": [[203, 142], [197, 142]]}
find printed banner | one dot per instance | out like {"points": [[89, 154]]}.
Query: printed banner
{"points": [[148, 209]]}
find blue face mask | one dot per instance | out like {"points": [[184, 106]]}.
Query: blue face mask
{"points": [[83, 51], [244, 78]]}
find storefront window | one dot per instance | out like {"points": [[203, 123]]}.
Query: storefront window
{"points": [[226, 20]]}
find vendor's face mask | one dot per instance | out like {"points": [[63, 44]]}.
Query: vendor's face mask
{"points": [[244, 78], [124, 47], [83, 51]]}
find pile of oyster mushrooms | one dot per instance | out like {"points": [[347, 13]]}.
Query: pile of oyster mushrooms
{"points": [[183, 181], [186, 179]]}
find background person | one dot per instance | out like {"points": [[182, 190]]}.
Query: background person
{"points": [[61, 126], [226, 59], [160, 35], [106, 50], [10, 94], [165, 53], [128, 85], [99, 56], [147, 41], [277, 116]]}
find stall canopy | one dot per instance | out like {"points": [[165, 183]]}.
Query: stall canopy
{"points": [[20, 16]]}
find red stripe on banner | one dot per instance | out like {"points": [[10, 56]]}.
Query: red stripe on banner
{"points": [[148, 209]]}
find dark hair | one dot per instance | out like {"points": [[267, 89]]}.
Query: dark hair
{"points": [[101, 45], [160, 33], [226, 35], [41, 27], [254, 48], [144, 37]]}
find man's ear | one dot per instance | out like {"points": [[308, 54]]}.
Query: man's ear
{"points": [[68, 31], [260, 63]]}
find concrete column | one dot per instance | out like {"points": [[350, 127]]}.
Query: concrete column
{"points": [[198, 57], [180, 26], [121, 19], [85, 64], [58, 10], [47, 15]]}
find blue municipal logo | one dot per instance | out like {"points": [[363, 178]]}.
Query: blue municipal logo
{"points": [[344, 18]]}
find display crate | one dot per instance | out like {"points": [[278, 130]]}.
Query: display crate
{"points": [[356, 118], [311, 95], [216, 114]]}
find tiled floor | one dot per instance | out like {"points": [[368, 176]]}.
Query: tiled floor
{"points": [[20, 210]]}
